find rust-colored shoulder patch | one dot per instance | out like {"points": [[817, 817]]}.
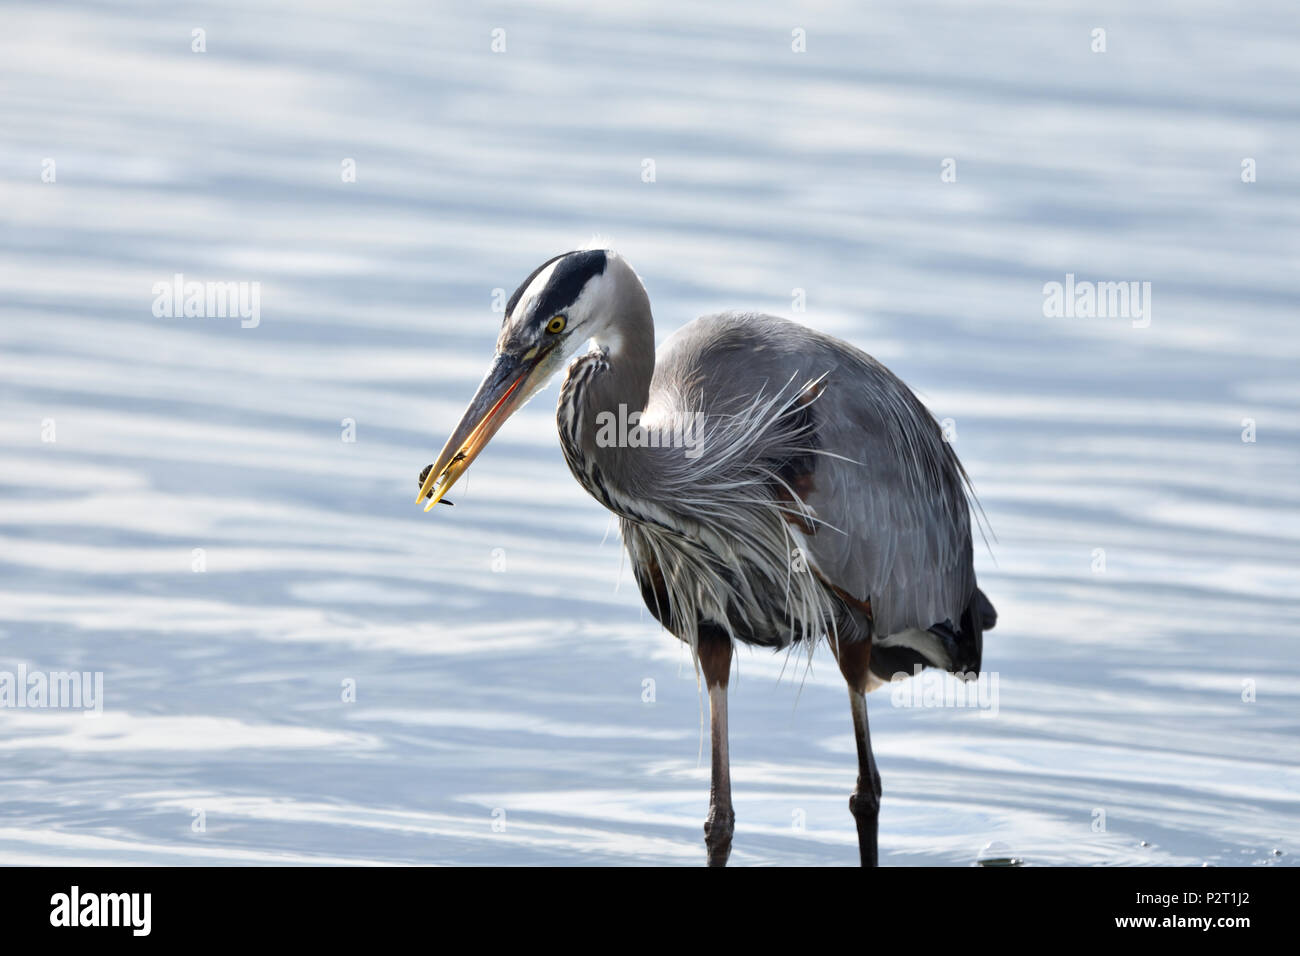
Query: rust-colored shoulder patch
{"points": [[792, 495], [861, 604], [811, 392]]}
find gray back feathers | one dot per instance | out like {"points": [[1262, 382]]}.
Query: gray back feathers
{"points": [[819, 471]]}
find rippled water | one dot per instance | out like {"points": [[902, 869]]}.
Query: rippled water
{"points": [[499, 651]]}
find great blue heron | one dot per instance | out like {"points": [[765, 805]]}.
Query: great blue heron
{"points": [[773, 485]]}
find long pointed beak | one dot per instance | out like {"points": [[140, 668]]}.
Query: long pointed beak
{"points": [[497, 397]]}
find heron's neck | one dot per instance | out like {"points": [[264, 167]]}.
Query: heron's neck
{"points": [[629, 348], [602, 396]]}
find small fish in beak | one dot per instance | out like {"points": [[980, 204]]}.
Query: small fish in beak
{"points": [[424, 474], [498, 396]]}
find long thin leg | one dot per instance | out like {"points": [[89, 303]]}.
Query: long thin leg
{"points": [[715, 661], [864, 804]]}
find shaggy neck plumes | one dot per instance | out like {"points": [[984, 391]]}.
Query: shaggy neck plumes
{"points": [[602, 399], [703, 516]]}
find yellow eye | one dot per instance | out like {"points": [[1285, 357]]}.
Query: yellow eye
{"points": [[556, 325]]}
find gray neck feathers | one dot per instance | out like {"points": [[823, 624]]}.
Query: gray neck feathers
{"points": [[603, 394], [710, 523]]}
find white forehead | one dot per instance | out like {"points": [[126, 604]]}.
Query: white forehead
{"points": [[596, 288], [535, 288]]}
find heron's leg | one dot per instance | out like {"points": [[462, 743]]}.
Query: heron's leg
{"points": [[715, 662], [864, 804]]}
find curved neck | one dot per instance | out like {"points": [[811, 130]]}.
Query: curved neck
{"points": [[601, 400], [629, 348]]}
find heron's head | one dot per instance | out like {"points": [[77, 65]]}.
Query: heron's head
{"points": [[566, 302]]}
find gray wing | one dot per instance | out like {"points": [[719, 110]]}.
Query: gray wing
{"points": [[896, 522], [893, 522]]}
